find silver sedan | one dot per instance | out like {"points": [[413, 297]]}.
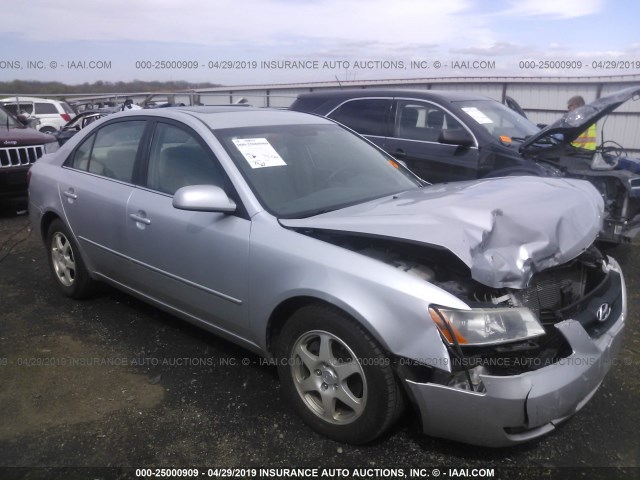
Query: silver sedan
{"points": [[483, 304]]}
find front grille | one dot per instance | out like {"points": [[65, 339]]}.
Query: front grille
{"points": [[552, 290], [585, 310], [574, 292], [20, 156]]}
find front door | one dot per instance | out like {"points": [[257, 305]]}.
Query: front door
{"points": [[195, 262], [415, 140]]}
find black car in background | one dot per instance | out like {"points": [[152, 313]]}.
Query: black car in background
{"points": [[80, 121], [450, 136]]}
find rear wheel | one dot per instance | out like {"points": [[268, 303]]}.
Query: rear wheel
{"points": [[336, 376], [67, 266], [49, 130]]}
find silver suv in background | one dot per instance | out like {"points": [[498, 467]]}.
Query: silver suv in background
{"points": [[52, 114]]}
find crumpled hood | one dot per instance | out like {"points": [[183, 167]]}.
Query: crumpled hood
{"points": [[572, 124], [503, 229]]}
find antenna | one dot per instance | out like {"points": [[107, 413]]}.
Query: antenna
{"points": [[338, 80]]}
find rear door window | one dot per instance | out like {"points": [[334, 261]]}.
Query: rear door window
{"points": [[367, 116], [111, 151], [67, 108]]}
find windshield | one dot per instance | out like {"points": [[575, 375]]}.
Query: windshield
{"points": [[501, 122], [8, 120], [303, 170]]}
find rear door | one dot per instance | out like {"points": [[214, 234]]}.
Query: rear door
{"points": [[415, 140], [97, 184]]}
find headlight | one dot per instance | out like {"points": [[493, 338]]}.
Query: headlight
{"points": [[486, 326], [51, 147]]}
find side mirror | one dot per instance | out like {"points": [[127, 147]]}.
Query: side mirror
{"points": [[457, 136], [203, 198]]}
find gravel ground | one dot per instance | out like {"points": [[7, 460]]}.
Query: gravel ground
{"points": [[112, 382]]}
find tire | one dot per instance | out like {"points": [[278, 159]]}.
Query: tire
{"points": [[67, 267], [349, 401], [49, 130]]}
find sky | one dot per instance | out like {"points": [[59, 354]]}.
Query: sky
{"points": [[258, 42]]}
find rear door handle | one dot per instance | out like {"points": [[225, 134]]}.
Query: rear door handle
{"points": [[399, 153], [140, 219], [69, 194]]}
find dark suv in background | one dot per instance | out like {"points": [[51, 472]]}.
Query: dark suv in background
{"points": [[449, 136], [20, 147]]}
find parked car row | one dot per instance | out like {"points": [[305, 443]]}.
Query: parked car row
{"points": [[54, 117], [484, 304], [446, 137], [21, 146], [52, 114]]}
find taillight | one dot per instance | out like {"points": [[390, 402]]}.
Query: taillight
{"points": [[65, 116]]}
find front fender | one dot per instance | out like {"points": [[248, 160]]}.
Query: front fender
{"points": [[391, 304]]}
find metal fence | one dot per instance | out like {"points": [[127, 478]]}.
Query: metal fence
{"points": [[543, 99]]}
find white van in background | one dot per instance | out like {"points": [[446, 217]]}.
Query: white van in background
{"points": [[53, 114]]}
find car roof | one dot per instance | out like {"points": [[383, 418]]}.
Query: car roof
{"points": [[230, 116], [441, 95], [29, 99], [94, 111]]}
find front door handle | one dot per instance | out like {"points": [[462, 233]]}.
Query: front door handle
{"points": [[138, 218], [399, 153]]}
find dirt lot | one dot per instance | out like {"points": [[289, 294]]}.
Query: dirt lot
{"points": [[112, 382]]}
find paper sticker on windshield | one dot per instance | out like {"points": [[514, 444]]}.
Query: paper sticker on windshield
{"points": [[258, 152], [477, 115]]}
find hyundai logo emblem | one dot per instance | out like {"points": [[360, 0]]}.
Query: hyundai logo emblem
{"points": [[603, 312]]}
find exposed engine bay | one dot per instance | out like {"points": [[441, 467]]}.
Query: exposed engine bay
{"points": [[573, 290], [614, 175]]}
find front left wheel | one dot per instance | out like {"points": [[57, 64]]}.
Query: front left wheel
{"points": [[336, 376], [66, 264]]}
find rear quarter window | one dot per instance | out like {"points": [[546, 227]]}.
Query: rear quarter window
{"points": [[366, 116], [45, 109], [67, 108]]}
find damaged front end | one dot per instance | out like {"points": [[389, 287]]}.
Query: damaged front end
{"points": [[520, 360], [545, 308]]}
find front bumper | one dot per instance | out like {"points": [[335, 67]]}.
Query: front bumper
{"points": [[518, 408], [13, 181]]}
